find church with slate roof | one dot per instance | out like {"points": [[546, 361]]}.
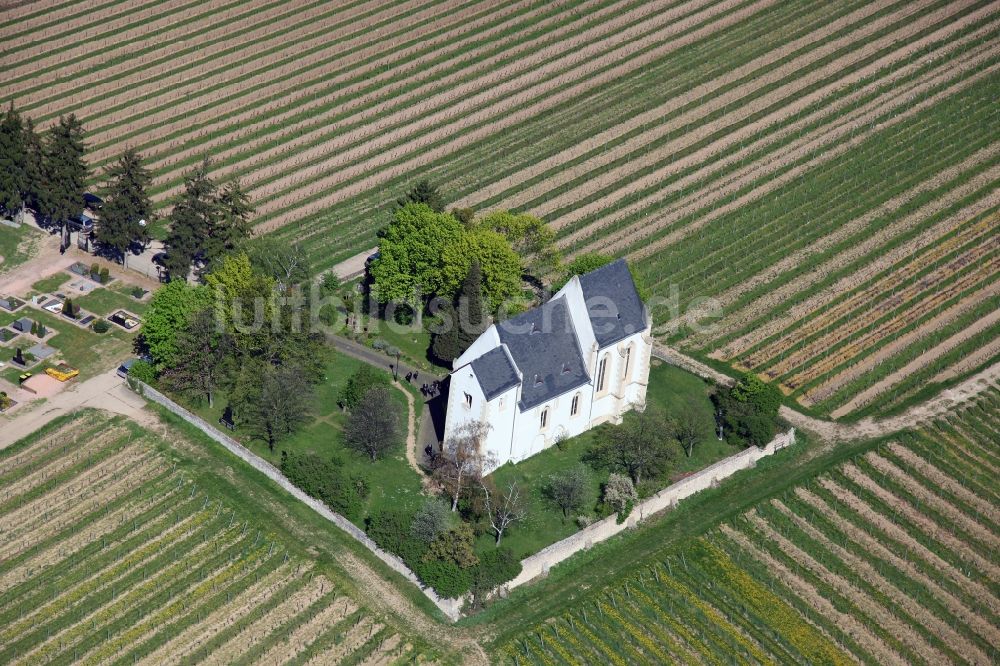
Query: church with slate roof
{"points": [[555, 371]]}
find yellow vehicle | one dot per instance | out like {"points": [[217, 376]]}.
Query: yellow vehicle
{"points": [[62, 372]]}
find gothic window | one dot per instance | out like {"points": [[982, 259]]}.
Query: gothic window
{"points": [[601, 367], [545, 418], [574, 406]]}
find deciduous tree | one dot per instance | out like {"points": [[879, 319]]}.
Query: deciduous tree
{"points": [[373, 427], [568, 488], [462, 463], [500, 266], [202, 348], [279, 404], [169, 313], [636, 447]]}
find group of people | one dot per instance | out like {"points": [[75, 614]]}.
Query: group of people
{"points": [[428, 390]]}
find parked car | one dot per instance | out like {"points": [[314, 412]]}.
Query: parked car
{"points": [[92, 201], [124, 367], [82, 222]]}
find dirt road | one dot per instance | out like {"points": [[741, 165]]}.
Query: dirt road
{"points": [[105, 391]]}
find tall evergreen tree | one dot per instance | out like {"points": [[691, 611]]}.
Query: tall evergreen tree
{"points": [[444, 344], [191, 222], [423, 192], [66, 172], [125, 203], [473, 319], [232, 223], [13, 179], [35, 189]]}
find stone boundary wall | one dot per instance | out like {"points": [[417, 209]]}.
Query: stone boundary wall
{"points": [[539, 564], [450, 607]]}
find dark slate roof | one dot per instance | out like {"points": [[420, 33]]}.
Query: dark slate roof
{"points": [[495, 372], [545, 349], [614, 306]]}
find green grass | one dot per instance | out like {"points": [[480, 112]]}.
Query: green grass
{"points": [[393, 483], [17, 246], [52, 283], [91, 353], [671, 390], [108, 300]]}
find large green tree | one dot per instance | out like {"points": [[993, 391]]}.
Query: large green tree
{"points": [[13, 175], [638, 447], [500, 266], [126, 202], [527, 234], [170, 312], [278, 405], [35, 182], [66, 172], [202, 349], [473, 318], [191, 222], [244, 302], [409, 266], [374, 425]]}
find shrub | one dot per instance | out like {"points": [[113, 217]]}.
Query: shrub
{"points": [[379, 344], [430, 521], [138, 292], [584, 521], [624, 513], [105, 275], [619, 492], [446, 577], [42, 331], [143, 372], [363, 380], [95, 271], [391, 531], [326, 481], [100, 326]]}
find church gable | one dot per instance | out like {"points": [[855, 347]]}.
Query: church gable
{"points": [[613, 304]]}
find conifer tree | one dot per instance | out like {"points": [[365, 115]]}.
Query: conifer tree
{"points": [[472, 316], [12, 162], [65, 173], [35, 183], [125, 203], [191, 222], [232, 223], [423, 192], [444, 345]]}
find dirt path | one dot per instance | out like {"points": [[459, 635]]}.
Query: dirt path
{"points": [[411, 435], [105, 391], [867, 428]]}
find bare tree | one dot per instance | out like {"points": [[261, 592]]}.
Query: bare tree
{"points": [[687, 427], [462, 463], [503, 509]]}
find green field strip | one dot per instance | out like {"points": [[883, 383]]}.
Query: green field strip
{"points": [[730, 638], [922, 564], [620, 621], [787, 206], [836, 565], [366, 650], [53, 483], [834, 180], [132, 651], [890, 285], [108, 605], [834, 347], [641, 47], [484, 156], [91, 11], [910, 353], [60, 601], [935, 450], [125, 632], [43, 443], [982, 433], [928, 509], [761, 92], [304, 122], [96, 565], [796, 20], [55, 453], [294, 585], [956, 445], [940, 493], [916, 532], [917, 387], [841, 601], [327, 640], [283, 632], [652, 81], [859, 263], [83, 523], [837, 179], [742, 598], [824, 640], [259, 56], [112, 44]]}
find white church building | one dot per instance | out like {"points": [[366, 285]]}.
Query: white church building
{"points": [[577, 361]]}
